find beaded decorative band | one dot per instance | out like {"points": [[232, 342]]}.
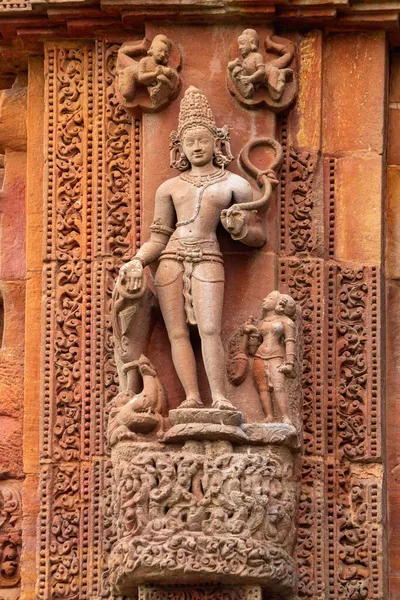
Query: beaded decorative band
{"points": [[158, 227]]}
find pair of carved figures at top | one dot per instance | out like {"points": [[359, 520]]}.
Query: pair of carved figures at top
{"points": [[148, 74]]}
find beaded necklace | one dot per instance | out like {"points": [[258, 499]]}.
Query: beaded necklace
{"points": [[201, 182]]}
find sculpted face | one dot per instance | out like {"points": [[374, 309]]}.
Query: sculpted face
{"points": [[160, 52], [245, 45], [198, 146], [270, 302]]}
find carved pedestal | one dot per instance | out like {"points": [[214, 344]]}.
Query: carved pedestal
{"points": [[204, 511]]}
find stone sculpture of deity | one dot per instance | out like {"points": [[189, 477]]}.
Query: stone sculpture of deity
{"points": [[190, 275]]}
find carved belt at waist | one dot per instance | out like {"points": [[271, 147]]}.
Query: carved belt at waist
{"points": [[192, 251], [277, 354]]}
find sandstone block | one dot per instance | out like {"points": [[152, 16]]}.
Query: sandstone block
{"points": [[354, 92], [393, 223], [307, 111], [358, 222]]}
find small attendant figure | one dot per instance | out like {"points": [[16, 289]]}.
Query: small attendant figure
{"points": [[151, 71], [255, 78], [274, 359], [249, 71]]}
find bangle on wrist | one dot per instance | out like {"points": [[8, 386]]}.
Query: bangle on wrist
{"points": [[138, 259]]}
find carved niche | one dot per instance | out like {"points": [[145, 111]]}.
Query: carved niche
{"points": [[199, 495]]}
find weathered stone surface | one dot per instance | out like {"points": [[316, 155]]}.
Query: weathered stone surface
{"points": [[30, 507], [307, 111], [394, 80], [12, 380], [393, 152], [209, 512], [392, 249], [353, 97], [358, 214], [95, 222], [10, 448], [393, 432]]}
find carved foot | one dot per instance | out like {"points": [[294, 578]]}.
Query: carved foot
{"points": [[191, 403], [223, 404]]}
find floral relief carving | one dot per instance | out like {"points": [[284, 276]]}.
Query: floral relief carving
{"points": [[10, 534], [69, 153], [204, 592], [299, 192], [352, 362], [65, 526]]}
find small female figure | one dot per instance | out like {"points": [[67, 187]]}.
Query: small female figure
{"points": [[274, 359]]}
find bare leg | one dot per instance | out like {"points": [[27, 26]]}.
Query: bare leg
{"points": [[261, 381], [127, 79], [281, 400], [277, 81], [208, 299], [172, 307], [279, 385]]}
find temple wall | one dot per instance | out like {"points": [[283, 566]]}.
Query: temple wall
{"points": [[73, 223], [391, 329]]}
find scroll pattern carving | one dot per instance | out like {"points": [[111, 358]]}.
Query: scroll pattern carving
{"points": [[64, 550], [350, 332], [352, 363], [310, 531], [354, 482], [120, 235], [67, 312], [298, 228], [303, 278], [69, 156], [351, 408], [304, 281], [205, 592], [118, 226], [10, 534]]}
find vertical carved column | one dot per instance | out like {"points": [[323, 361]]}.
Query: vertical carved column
{"points": [[116, 225], [67, 316], [353, 199], [301, 272], [330, 263], [88, 217]]}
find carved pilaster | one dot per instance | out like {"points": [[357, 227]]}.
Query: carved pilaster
{"points": [[88, 233]]}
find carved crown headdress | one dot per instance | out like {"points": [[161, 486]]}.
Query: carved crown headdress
{"points": [[195, 111]]}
